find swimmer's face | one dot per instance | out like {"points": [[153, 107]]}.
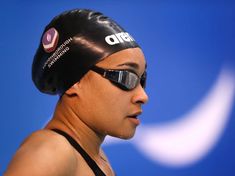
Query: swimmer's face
{"points": [[106, 108]]}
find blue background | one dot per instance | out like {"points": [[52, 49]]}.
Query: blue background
{"points": [[186, 43]]}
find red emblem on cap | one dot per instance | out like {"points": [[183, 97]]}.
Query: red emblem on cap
{"points": [[50, 40]]}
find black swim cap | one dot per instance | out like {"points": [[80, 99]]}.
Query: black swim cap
{"points": [[71, 44]]}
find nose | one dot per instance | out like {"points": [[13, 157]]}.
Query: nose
{"points": [[140, 96]]}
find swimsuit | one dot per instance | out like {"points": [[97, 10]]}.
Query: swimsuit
{"points": [[91, 163]]}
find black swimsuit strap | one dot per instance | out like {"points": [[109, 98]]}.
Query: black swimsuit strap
{"points": [[92, 164]]}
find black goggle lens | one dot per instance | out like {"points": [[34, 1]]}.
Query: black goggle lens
{"points": [[143, 80]]}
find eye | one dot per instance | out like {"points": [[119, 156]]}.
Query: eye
{"points": [[132, 71]]}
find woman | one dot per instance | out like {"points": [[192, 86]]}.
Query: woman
{"points": [[99, 72]]}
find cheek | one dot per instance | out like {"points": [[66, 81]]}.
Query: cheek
{"points": [[99, 99], [106, 97], [110, 104]]}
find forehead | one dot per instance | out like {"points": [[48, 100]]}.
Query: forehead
{"points": [[131, 55]]}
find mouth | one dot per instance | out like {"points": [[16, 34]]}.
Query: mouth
{"points": [[135, 115], [134, 118]]}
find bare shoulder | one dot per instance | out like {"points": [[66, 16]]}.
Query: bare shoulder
{"points": [[43, 153]]}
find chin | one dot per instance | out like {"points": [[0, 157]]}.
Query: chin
{"points": [[125, 135]]}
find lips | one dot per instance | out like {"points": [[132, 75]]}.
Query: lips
{"points": [[133, 118], [135, 115]]}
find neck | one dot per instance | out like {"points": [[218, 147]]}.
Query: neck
{"points": [[66, 119]]}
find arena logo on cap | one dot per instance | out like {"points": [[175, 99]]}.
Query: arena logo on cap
{"points": [[118, 38], [50, 40]]}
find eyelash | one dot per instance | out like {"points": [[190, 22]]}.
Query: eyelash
{"points": [[131, 70]]}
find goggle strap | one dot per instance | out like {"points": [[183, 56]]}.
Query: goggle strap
{"points": [[99, 70]]}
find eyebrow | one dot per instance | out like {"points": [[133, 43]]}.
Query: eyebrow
{"points": [[132, 65]]}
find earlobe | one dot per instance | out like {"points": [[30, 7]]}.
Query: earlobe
{"points": [[73, 90]]}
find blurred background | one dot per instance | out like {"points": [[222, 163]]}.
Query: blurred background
{"points": [[187, 128]]}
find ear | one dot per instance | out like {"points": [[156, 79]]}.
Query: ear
{"points": [[74, 90]]}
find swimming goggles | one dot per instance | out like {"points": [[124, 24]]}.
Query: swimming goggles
{"points": [[124, 79]]}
